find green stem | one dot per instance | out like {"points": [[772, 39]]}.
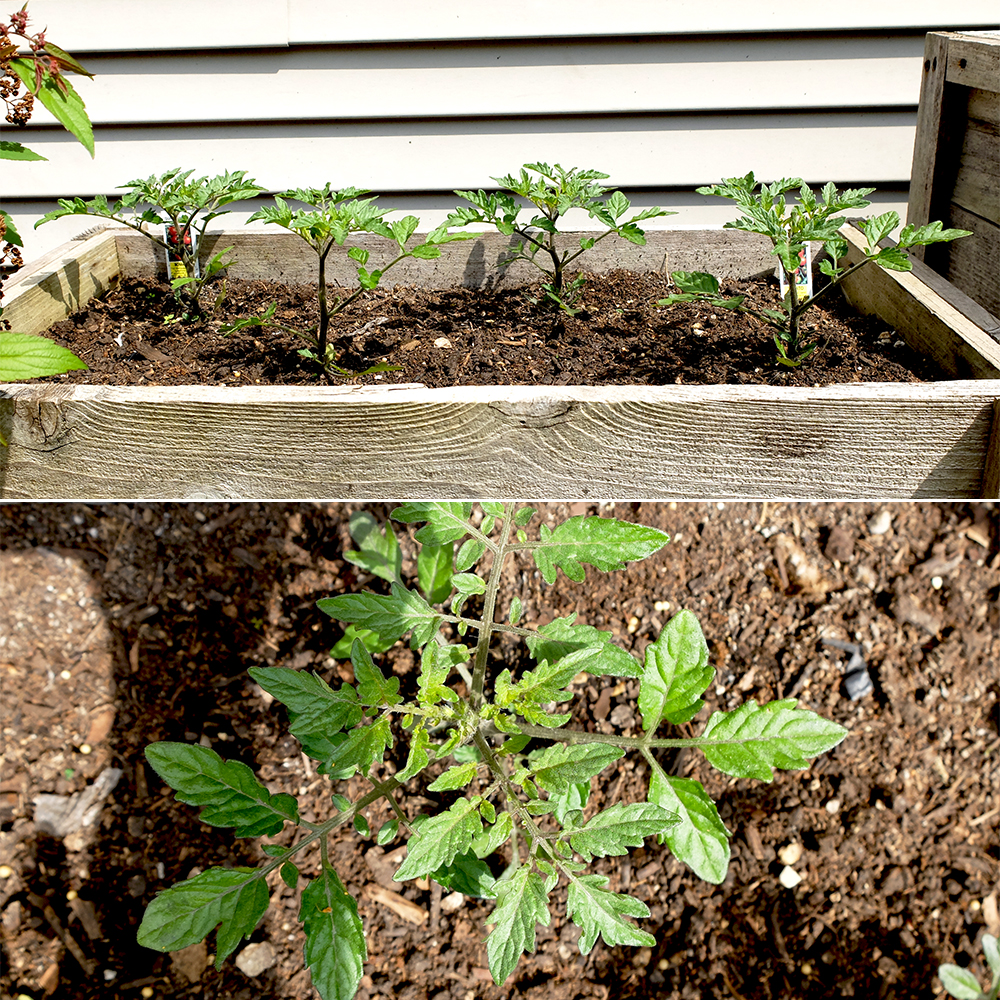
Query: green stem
{"points": [[488, 626]]}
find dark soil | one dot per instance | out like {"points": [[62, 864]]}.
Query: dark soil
{"points": [[897, 827], [466, 336]]}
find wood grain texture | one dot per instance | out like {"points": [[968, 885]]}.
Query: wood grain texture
{"points": [[656, 442], [974, 62], [273, 254], [971, 263], [929, 144], [991, 475], [925, 319], [60, 283]]}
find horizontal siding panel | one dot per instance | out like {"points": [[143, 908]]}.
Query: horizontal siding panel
{"points": [[140, 25], [404, 20], [437, 156], [484, 81], [130, 25]]}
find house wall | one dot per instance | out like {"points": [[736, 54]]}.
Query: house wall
{"points": [[663, 95]]}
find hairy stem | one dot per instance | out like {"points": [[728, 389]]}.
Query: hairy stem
{"points": [[489, 611]]}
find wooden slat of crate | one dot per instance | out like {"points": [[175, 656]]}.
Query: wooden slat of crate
{"points": [[931, 321], [881, 440], [955, 175], [63, 281]]}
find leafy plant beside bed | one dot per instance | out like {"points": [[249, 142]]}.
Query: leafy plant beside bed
{"points": [[41, 71], [511, 779], [789, 228]]}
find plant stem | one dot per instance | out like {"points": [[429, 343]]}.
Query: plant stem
{"points": [[487, 627]]}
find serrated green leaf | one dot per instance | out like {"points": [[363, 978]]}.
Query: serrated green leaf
{"points": [[418, 757], [991, 949], [441, 839], [232, 899], [959, 982], [26, 355], [387, 832], [374, 643], [597, 910], [458, 776], [569, 800], [514, 611], [362, 746], [676, 672], [603, 542], [61, 101], [228, 791], [469, 553], [753, 739], [390, 616], [521, 905], [316, 713], [446, 522], [335, 949], [561, 637], [378, 551], [289, 874], [493, 836], [436, 663], [612, 831], [15, 151], [698, 838], [434, 564], [374, 688], [468, 875], [561, 764]]}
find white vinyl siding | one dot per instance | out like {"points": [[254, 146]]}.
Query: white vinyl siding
{"points": [[665, 95]]}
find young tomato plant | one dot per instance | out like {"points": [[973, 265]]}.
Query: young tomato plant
{"points": [[790, 228], [553, 193], [41, 73], [186, 205], [512, 778], [962, 984], [332, 218]]}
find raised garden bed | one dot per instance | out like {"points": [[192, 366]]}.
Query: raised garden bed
{"points": [[930, 439]]}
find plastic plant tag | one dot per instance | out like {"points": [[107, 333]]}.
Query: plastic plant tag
{"points": [[802, 275], [175, 263]]}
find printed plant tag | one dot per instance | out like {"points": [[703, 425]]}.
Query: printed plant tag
{"points": [[175, 264], [802, 275]]}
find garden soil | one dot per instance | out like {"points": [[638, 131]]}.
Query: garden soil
{"points": [[129, 623], [463, 336]]}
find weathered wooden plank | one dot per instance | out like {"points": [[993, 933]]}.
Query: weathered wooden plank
{"points": [[925, 319], [656, 442], [974, 62], [275, 255], [984, 105], [971, 263], [60, 283], [977, 181], [930, 145], [991, 474]]}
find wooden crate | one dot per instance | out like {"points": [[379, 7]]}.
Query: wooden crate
{"points": [[877, 440], [956, 161]]}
